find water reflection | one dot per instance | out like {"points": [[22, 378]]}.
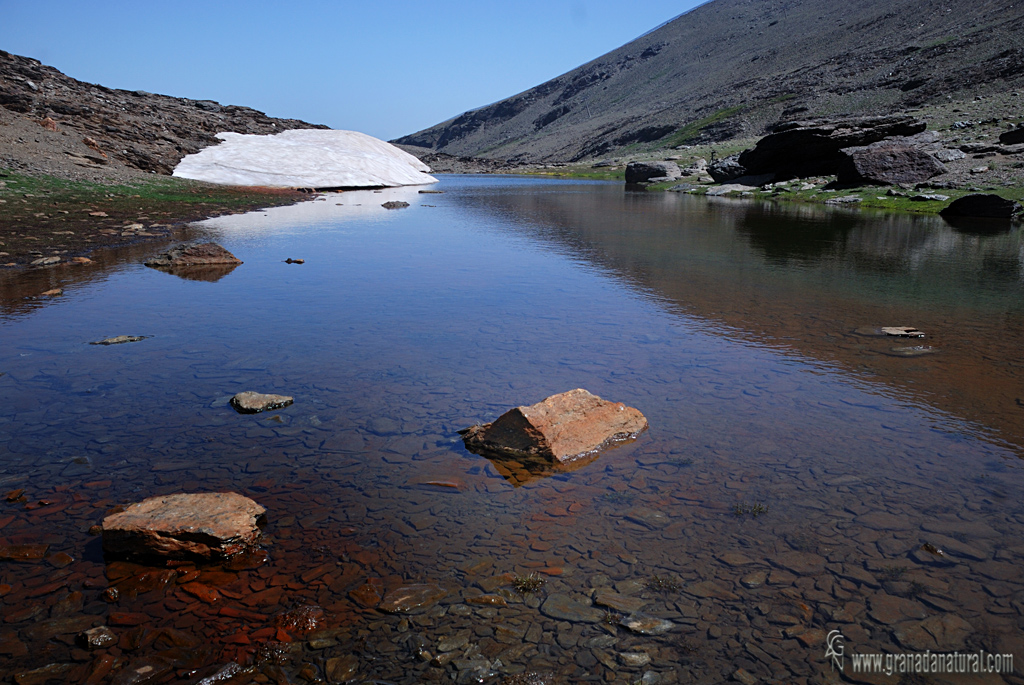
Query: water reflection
{"points": [[805, 278]]}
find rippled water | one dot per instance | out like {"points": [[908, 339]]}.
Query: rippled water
{"points": [[730, 325]]}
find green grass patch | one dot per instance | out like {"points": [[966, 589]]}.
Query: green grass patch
{"points": [[693, 129]]}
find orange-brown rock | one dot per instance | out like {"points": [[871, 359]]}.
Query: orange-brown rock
{"points": [[563, 427], [209, 525], [193, 255]]}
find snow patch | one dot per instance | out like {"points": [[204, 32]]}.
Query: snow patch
{"points": [[304, 158]]}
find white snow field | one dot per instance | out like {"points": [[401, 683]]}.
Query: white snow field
{"points": [[305, 158]]}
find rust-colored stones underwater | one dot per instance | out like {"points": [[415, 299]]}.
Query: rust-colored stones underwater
{"points": [[211, 525], [562, 427], [250, 402], [23, 552], [411, 598], [193, 255]]}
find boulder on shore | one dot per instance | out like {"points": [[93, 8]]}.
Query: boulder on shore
{"points": [[648, 172], [982, 205], [811, 148], [212, 525], [887, 163], [563, 427], [1013, 136], [202, 254]]}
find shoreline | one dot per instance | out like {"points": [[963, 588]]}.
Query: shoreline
{"points": [[42, 217]]}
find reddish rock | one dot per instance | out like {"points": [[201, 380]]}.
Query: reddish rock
{"points": [[887, 162], [562, 427], [193, 255], [209, 525], [204, 593], [23, 552]]}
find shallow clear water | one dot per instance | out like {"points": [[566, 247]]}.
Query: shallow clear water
{"points": [[729, 325]]}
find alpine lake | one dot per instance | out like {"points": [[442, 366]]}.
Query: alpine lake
{"points": [[802, 473]]}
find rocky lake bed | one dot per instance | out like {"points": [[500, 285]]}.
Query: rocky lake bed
{"points": [[796, 478]]}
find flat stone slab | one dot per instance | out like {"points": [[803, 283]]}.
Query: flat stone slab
{"points": [[28, 552], [202, 254], [647, 625], [612, 600], [250, 402], [563, 427], [212, 525], [942, 633], [902, 331], [410, 598], [566, 608], [119, 340]]}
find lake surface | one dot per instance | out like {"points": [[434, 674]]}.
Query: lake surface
{"points": [[798, 476]]}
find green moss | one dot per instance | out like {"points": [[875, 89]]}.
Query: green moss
{"points": [[693, 129]]}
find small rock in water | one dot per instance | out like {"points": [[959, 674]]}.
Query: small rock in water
{"points": [[250, 402], [410, 598], [563, 427], [431, 192], [395, 204], [565, 608], [99, 637], [647, 625], [914, 351], [634, 659], [120, 339], [52, 293], [45, 261], [209, 525], [902, 331], [294, 261], [193, 255]]}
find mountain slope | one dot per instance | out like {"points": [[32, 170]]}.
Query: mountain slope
{"points": [[731, 68], [125, 129]]}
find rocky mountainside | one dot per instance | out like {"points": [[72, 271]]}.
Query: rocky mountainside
{"points": [[107, 129], [732, 68]]}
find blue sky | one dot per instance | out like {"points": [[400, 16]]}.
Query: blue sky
{"points": [[384, 68]]}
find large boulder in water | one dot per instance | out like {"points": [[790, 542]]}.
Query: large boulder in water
{"points": [[887, 163], [212, 525], [305, 158], [982, 205], [812, 148], [563, 427]]}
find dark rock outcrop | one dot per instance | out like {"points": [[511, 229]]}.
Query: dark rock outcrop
{"points": [[802, 148], [1014, 137], [982, 206], [726, 169], [211, 525], [887, 163], [651, 172], [563, 427]]}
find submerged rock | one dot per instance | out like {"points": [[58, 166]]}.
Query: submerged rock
{"points": [[202, 254], [647, 625], [250, 402], [902, 332], [119, 340], [210, 525], [565, 608], [563, 427], [395, 204], [411, 598]]}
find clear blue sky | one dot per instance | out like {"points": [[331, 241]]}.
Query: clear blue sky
{"points": [[384, 68]]}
